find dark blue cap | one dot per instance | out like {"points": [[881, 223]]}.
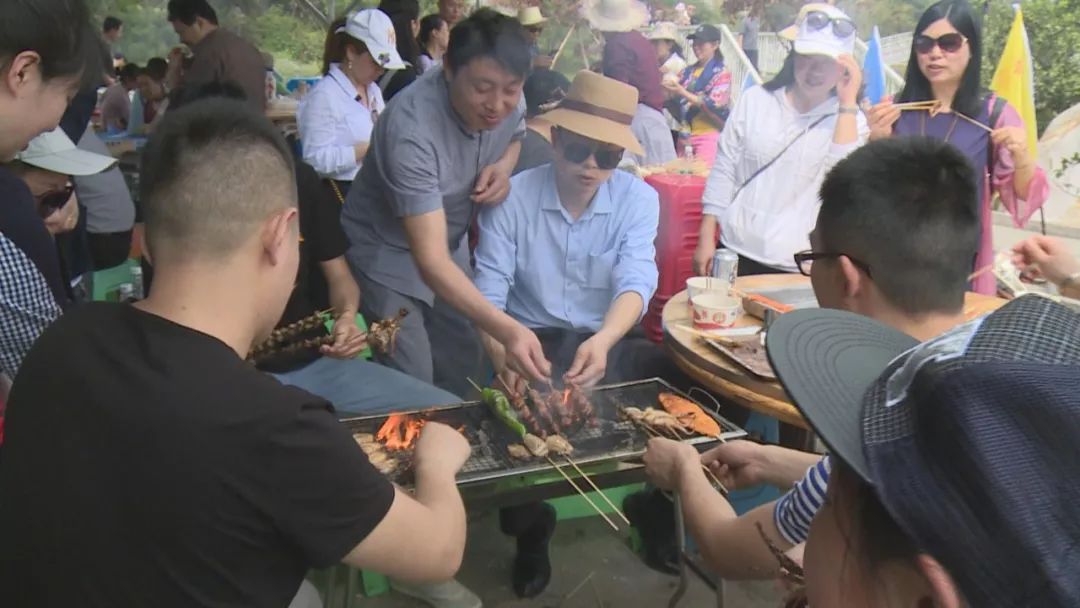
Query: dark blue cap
{"points": [[971, 440]]}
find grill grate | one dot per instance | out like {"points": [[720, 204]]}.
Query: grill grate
{"points": [[610, 440]]}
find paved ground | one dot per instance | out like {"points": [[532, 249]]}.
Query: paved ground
{"points": [[581, 547]]}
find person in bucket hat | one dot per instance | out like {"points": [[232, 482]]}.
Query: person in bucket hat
{"points": [[954, 481], [628, 56], [570, 255]]}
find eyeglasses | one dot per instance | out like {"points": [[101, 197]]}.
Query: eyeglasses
{"points": [[841, 27], [804, 260], [51, 201], [948, 43], [577, 150]]}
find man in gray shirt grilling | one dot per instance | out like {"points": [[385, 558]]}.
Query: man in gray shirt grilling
{"points": [[446, 144]]}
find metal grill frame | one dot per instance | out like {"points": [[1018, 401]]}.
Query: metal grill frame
{"points": [[588, 443]]}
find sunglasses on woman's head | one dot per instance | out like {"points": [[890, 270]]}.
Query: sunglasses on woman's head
{"points": [[51, 201], [948, 43], [577, 150], [841, 27]]}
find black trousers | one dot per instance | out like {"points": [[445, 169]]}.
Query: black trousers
{"points": [[749, 267], [109, 249]]}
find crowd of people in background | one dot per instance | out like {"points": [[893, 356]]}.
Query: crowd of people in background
{"points": [[443, 167]]}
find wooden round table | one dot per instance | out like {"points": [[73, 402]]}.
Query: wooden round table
{"points": [[724, 377]]}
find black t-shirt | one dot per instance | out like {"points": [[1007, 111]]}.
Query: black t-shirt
{"points": [[146, 464], [22, 225], [322, 239]]}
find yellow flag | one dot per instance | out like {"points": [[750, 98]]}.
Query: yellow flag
{"points": [[1014, 78]]}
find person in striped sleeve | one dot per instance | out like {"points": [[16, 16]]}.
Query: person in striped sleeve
{"points": [[894, 240]]}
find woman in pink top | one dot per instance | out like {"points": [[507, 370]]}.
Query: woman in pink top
{"points": [[945, 65]]}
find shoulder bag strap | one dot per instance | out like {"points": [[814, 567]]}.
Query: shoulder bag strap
{"points": [[762, 168]]}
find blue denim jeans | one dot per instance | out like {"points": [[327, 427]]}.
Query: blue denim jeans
{"points": [[359, 387]]}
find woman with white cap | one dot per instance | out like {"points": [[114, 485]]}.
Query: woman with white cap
{"points": [[336, 118], [778, 144]]}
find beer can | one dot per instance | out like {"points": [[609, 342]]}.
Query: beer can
{"points": [[725, 265]]}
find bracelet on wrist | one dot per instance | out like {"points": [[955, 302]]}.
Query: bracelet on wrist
{"points": [[848, 110]]}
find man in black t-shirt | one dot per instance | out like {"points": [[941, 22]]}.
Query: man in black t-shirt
{"points": [[147, 464], [323, 281]]}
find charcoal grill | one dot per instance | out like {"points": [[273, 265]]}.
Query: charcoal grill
{"points": [[611, 440]]}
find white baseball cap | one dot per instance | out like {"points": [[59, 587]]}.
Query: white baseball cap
{"points": [[825, 30], [373, 28], [54, 151]]}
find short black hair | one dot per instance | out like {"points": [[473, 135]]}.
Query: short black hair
{"points": [[487, 33], [129, 72], [187, 11], [111, 24], [969, 96], [905, 206], [156, 68], [428, 26], [543, 87], [58, 30], [212, 171]]}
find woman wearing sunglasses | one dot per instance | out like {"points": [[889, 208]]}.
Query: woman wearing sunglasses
{"points": [[945, 66], [778, 144]]}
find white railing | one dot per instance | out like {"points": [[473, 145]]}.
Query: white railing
{"points": [[736, 62], [773, 50]]}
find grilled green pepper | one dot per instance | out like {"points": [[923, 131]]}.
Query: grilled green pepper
{"points": [[500, 406]]}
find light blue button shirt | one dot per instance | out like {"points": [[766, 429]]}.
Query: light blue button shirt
{"points": [[546, 269], [332, 122]]}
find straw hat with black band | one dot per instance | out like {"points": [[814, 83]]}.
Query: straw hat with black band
{"points": [[599, 108]]}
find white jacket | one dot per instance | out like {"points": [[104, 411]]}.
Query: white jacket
{"points": [[771, 218]]}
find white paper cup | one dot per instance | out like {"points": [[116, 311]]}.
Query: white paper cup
{"points": [[715, 310]]}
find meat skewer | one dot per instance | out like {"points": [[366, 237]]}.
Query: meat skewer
{"points": [[517, 401], [542, 410]]}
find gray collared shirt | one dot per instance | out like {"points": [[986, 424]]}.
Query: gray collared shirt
{"points": [[422, 158]]}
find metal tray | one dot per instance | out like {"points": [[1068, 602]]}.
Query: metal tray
{"points": [[611, 440]]}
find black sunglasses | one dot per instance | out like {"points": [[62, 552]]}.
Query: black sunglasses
{"points": [[51, 201], [842, 28], [804, 260], [948, 43], [577, 150]]}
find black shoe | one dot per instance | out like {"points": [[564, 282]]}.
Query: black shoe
{"points": [[654, 517], [532, 567]]}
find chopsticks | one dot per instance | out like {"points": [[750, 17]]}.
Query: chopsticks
{"points": [[932, 105]]}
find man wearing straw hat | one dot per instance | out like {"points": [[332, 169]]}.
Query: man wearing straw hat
{"points": [[533, 21], [570, 255]]}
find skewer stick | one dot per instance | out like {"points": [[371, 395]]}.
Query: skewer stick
{"points": [[505, 386], [598, 490], [974, 122], [475, 385], [592, 504], [708, 472], [565, 39], [978, 273]]}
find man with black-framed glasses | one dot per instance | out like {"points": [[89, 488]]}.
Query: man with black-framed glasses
{"points": [[894, 240]]}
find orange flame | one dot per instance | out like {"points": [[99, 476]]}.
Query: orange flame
{"points": [[399, 432], [565, 397]]}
